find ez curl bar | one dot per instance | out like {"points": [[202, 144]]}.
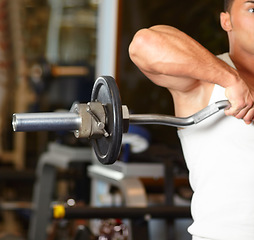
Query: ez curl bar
{"points": [[104, 119]]}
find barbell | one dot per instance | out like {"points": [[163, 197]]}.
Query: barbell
{"points": [[104, 119]]}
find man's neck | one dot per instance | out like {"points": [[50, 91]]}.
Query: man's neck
{"points": [[245, 65]]}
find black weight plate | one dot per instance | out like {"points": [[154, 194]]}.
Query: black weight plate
{"points": [[105, 91]]}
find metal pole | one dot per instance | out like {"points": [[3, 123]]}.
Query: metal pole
{"points": [[70, 121], [177, 121], [55, 121]]}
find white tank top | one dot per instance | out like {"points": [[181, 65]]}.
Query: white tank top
{"points": [[219, 153]]}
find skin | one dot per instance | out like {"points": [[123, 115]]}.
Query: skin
{"points": [[239, 24], [173, 60]]}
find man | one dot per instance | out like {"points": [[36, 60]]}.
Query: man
{"points": [[220, 150]]}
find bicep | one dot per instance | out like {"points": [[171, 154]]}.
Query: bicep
{"points": [[172, 59]]}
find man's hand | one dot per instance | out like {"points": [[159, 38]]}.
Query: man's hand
{"points": [[241, 98]]}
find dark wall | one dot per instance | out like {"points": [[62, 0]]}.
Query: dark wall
{"points": [[199, 19]]}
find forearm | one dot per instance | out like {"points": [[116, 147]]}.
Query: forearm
{"points": [[168, 51]]}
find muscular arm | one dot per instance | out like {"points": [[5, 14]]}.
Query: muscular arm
{"points": [[173, 60]]}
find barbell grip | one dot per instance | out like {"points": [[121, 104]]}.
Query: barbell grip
{"points": [[167, 120]]}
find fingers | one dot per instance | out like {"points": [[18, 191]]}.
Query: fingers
{"points": [[245, 112], [248, 118]]}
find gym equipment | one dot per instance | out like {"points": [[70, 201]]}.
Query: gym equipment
{"points": [[104, 119], [57, 156], [167, 212], [43, 70]]}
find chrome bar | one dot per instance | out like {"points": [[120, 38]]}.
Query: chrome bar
{"points": [[53, 121], [160, 119], [70, 121], [177, 121]]}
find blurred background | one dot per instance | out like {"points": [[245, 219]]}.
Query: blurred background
{"points": [[49, 58]]}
